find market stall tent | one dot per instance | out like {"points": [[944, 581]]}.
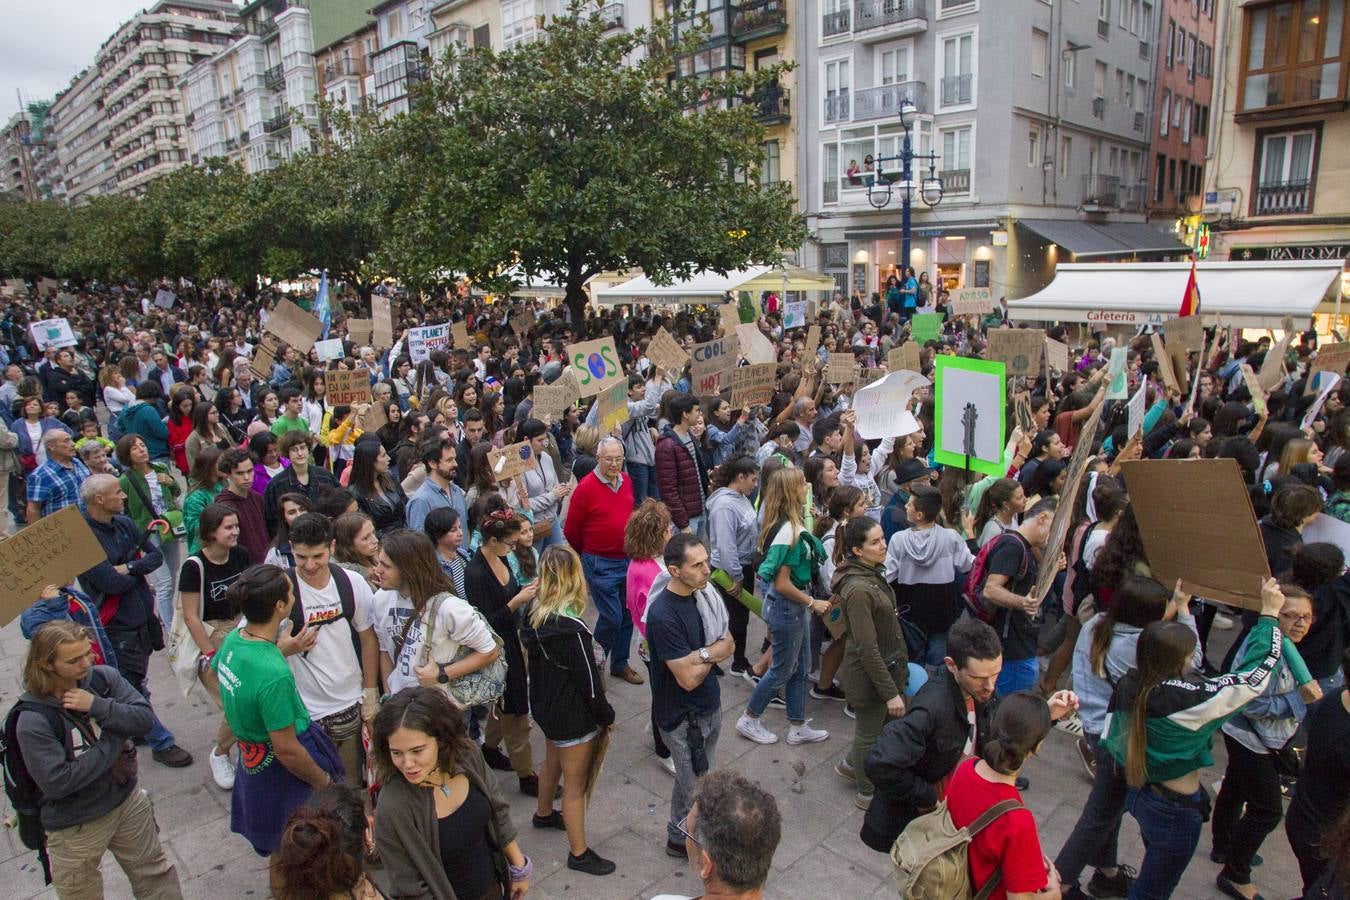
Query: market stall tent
{"points": [[1242, 294]]}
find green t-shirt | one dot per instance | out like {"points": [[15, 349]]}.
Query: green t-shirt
{"points": [[257, 689], [282, 424], [801, 552]]}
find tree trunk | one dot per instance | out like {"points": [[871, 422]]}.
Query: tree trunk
{"points": [[576, 301]]}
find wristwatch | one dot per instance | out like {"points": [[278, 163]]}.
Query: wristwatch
{"points": [[441, 677], [704, 656]]}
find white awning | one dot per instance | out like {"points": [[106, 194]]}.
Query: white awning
{"points": [[1245, 294], [704, 285]]}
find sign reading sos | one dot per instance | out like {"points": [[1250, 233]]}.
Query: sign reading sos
{"points": [[595, 364]]}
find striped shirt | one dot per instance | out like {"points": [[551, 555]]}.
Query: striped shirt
{"points": [[53, 486]]}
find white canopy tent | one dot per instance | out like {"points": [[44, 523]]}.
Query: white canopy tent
{"points": [[1243, 294], [705, 286]]}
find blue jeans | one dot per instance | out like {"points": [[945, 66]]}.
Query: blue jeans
{"points": [[788, 626], [555, 537], [935, 651], [1017, 675], [1094, 839], [607, 580], [162, 580], [1171, 831], [644, 482]]}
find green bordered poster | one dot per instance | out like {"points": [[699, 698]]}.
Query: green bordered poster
{"points": [[974, 387]]}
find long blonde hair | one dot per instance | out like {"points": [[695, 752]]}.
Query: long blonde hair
{"points": [[784, 500], [38, 677], [562, 586]]}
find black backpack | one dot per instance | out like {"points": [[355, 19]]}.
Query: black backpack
{"points": [[345, 596], [24, 794]]}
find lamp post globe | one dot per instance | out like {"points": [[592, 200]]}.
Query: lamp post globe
{"points": [[908, 113]]}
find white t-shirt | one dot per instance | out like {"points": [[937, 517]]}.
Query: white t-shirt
{"points": [[329, 675], [455, 624], [1095, 542]]}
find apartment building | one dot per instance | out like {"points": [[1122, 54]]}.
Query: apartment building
{"points": [[139, 67], [404, 28], [464, 23], [1035, 115], [346, 76], [1277, 184], [1184, 49], [79, 137], [18, 175]]}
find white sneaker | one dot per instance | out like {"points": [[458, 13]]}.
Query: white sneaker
{"points": [[222, 771], [805, 734], [1222, 622], [668, 764], [1071, 724], [754, 730]]}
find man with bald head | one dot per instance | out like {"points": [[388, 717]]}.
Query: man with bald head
{"points": [[121, 579], [55, 484]]}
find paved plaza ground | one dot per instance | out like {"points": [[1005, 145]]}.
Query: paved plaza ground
{"points": [[820, 856]]}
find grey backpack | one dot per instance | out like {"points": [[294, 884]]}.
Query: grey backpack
{"points": [[930, 855]]}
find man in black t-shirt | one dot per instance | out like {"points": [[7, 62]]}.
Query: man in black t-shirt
{"points": [[1011, 577], [686, 698]]}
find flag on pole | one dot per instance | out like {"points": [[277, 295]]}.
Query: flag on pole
{"points": [[1190, 301], [325, 312]]}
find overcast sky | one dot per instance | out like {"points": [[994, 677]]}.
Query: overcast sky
{"points": [[45, 43]]}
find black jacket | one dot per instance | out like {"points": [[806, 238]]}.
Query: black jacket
{"points": [[567, 695], [320, 479], [385, 508], [121, 539], [914, 753]]}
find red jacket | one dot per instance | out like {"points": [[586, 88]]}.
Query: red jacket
{"points": [[680, 478], [597, 517], [178, 435]]}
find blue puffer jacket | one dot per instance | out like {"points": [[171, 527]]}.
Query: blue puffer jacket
{"points": [[78, 608]]}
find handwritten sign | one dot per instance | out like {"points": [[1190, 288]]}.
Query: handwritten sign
{"points": [[1118, 382], [52, 333], [512, 460], [1185, 331], [164, 298], [841, 369], [523, 321], [612, 406], [330, 349], [263, 356], [1323, 393], [425, 340], [666, 353], [596, 365], [971, 301], [1331, 358], [292, 325], [382, 322], [715, 356], [347, 387], [905, 358], [1019, 349], [1254, 388], [731, 318], [752, 385], [552, 400], [1057, 354], [1164, 359], [794, 314], [1272, 370], [755, 347], [812, 343], [360, 331], [883, 406], [55, 549]]}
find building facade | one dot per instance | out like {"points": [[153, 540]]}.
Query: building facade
{"points": [[139, 68], [346, 79], [79, 135], [1184, 49], [1278, 182], [404, 27], [1035, 113]]}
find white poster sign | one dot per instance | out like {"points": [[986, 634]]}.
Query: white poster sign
{"points": [[426, 339], [794, 315], [1138, 406], [329, 349], [164, 298], [52, 333], [882, 406]]}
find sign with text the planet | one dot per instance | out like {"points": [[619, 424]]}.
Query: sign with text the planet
{"points": [[596, 365]]}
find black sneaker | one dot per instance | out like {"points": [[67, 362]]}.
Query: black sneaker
{"points": [[496, 759], [552, 820], [1087, 758], [830, 693], [591, 863], [740, 666], [529, 785], [675, 849], [1105, 887], [175, 757], [1021, 783], [778, 701]]}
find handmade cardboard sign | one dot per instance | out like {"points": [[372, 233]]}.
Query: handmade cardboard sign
{"points": [[1254, 388], [731, 318], [926, 327], [347, 387], [904, 358], [752, 385], [1137, 408], [263, 356], [596, 365], [971, 301], [1019, 349], [523, 321], [1180, 361], [883, 406], [1185, 331], [755, 347], [1063, 518], [1164, 358], [55, 549], [714, 356], [1197, 523], [164, 298], [1330, 358], [969, 398], [382, 322], [360, 331], [292, 325], [329, 350], [13, 287], [512, 460], [1057, 354], [1022, 412], [666, 353], [52, 333], [812, 343], [1327, 385], [841, 369], [794, 315], [1272, 369], [612, 406], [426, 339], [459, 336]]}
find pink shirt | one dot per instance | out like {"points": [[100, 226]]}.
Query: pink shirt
{"points": [[641, 574]]}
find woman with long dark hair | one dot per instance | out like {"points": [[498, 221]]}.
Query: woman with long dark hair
{"points": [[289, 508], [233, 415], [323, 850], [1000, 505], [205, 482], [1121, 556], [377, 493], [206, 431]]}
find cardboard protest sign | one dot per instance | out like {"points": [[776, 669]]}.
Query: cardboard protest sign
{"points": [[666, 353], [1330, 358], [1181, 358], [523, 321], [731, 318], [794, 315], [47, 286], [164, 298], [971, 301], [1272, 369], [512, 460], [755, 347], [969, 400], [841, 369], [812, 343], [382, 322], [1254, 388], [1117, 381], [1185, 331], [52, 333], [459, 336], [263, 356], [868, 376], [347, 387], [55, 549], [612, 406], [926, 327], [64, 299], [1164, 359], [596, 365], [329, 350], [1019, 349], [1197, 523], [906, 358], [1024, 416], [1137, 408], [292, 325], [13, 287], [1327, 385], [1057, 354], [424, 340], [1063, 518], [883, 406], [360, 331], [752, 385], [715, 356], [552, 400]]}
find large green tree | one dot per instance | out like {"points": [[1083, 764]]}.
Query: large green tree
{"points": [[579, 154]]}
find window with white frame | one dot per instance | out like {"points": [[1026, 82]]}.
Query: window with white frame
{"points": [[1070, 66], [394, 25], [956, 159], [1285, 172], [1166, 110], [893, 65], [1104, 10], [1140, 95], [770, 171], [836, 90], [1033, 148], [519, 21], [1099, 69], [958, 70], [1040, 51], [1186, 117]]}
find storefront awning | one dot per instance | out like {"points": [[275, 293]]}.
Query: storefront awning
{"points": [[1086, 240], [704, 286], [1245, 294]]}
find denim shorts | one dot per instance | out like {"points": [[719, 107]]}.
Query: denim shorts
{"points": [[577, 742]]}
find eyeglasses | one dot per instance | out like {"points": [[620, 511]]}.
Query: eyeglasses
{"points": [[1297, 620], [682, 827]]}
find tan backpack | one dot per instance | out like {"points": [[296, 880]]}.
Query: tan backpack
{"points": [[930, 855]]}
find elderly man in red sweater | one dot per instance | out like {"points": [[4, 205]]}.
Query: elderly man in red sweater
{"points": [[601, 505]]}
